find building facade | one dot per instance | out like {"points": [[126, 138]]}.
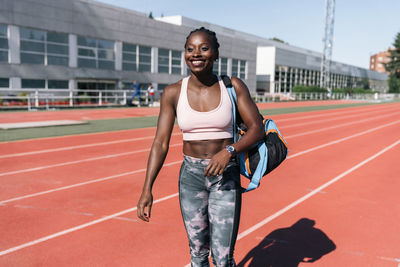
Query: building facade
{"points": [[84, 44], [377, 61]]}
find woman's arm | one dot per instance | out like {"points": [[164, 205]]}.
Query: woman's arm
{"points": [[250, 115], [159, 149]]}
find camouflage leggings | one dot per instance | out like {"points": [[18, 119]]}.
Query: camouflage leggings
{"points": [[210, 209]]}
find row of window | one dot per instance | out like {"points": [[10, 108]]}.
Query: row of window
{"points": [[36, 83], [51, 48]]}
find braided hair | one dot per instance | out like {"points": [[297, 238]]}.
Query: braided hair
{"points": [[210, 34]]}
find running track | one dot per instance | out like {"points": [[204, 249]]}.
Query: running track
{"points": [[70, 201]]}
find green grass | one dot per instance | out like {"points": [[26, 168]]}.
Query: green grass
{"points": [[109, 125]]}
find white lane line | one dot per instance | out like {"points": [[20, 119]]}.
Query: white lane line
{"points": [[148, 149], [79, 146], [179, 133], [240, 236], [333, 113], [79, 227], [336, 118], [342, 139], [79, 161], [83, 183], [177, 162], [340, 125], [302, 199]]}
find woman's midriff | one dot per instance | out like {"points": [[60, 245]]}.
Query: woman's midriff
{"points": [[205, 149]]}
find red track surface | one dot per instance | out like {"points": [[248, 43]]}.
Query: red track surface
{"points": [[56, 193]]}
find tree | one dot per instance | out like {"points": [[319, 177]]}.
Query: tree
{"points": [[393, 66], [151, 15]]}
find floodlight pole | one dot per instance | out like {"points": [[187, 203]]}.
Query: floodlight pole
{"points": [[328, 44]]}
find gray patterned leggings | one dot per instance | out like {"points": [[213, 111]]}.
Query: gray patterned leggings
{"points": [[210, 209]]}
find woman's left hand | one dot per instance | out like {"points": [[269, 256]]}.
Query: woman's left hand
{"points": [[218, 163]]}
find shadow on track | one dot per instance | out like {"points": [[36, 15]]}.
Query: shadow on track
{"points": [[288, 247]]}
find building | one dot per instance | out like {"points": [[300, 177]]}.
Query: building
{"points": [[84, 44], [377, 61]]}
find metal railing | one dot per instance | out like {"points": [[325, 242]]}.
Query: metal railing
{"points": [[32, 99], [63, 98]]}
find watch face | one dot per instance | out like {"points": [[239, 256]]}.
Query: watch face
{"points": [[230, 149]]}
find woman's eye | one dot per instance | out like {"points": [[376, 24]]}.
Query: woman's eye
{"points": [[190, 49], [204, 48]]}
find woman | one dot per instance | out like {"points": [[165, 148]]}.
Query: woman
{"points": [[209, 179]]}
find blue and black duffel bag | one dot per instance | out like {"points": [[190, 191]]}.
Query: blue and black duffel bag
{"points": [[263, 157]]}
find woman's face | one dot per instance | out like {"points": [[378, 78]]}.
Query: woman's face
{"points": [[199, 53]]}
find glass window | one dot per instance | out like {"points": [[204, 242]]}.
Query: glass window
{"points": [[3, 30], [176, 62], [235, 66], [216, 67], [57, 49], [224, 66], [33, 83], [4, 83], [32, 46], [3, 43], [32, 58], [39, 47], [31, 34], [129, 57], [3, 56], [84, 41], [57, 84], [54, 60], [163, 60], [242, 69], [95, 53], [144, 58], [55, 37]]}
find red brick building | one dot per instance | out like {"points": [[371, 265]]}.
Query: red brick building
{"points": [[376, 61]]}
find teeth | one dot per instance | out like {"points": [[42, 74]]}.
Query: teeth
{"points": [[197, 62]]}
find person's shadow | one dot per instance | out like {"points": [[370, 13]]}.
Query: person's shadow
{"points": [[287, 247]]}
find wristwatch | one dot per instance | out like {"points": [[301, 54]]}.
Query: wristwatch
{"points": [[231, 150]]}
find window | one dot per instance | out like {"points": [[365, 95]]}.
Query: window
{"points": [[41, 47], [163, 60], [235, 67], [57, 84], [33, 83], [224, 66], [4, 83], [144, 58], [3, 43], [242, 69], [129, 59], [176, 67], [95, 53]]}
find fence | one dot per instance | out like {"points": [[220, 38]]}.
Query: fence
{"points": [[63, 98], [32, 99]]}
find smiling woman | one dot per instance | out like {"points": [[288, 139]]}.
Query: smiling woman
{"points": [[209, 180]]}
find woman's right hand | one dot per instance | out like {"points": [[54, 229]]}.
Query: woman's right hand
{"points": [[144, 206]]}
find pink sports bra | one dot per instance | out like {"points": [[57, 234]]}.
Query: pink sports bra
{"points": [[213, 124]]}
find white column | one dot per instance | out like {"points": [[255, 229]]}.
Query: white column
{"points": [[183, 65], [73, 50], [15, 82], [229, 66], [118, 55], [154, 59], [13, 44]]}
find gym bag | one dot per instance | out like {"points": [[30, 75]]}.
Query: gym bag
{"points": [[264, 156]]}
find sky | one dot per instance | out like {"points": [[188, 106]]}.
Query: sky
{"points": [[362, 27]]}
